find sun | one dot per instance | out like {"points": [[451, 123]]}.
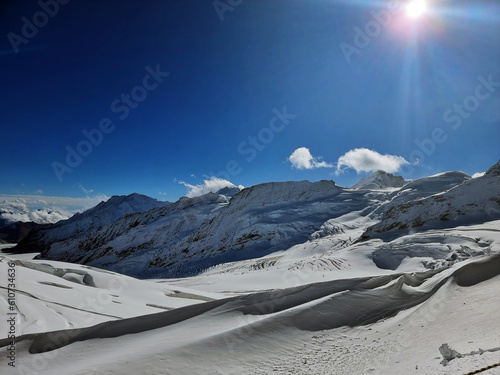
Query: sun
{"points": [[415, 8]]}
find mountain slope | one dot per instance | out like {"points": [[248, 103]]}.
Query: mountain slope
{"points": [[474, 201], [195, 233], [423, 187], [419, 295], [493, 171], [380, 180], [15, 232], [81, 224]]}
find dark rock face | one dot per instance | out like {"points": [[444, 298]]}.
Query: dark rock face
{"points": [[16, 232]]}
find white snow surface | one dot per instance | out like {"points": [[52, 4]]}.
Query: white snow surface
{"points": [[350, 284], [193, 234], [474, 200], [380, 180], [105, 213], [315, 308]]}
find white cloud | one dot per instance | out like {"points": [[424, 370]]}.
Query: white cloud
{"points": [[301, 158], [210, 185], [43, 209], [366, 160], [478, 174]]}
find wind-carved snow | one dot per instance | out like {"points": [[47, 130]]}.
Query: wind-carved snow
{"points": [[350, 295], [381, 322]]}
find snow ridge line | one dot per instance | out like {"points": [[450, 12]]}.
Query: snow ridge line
{"points": [[483, 369]]}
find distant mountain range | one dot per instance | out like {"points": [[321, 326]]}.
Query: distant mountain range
{"points": [[102, 214], [139, 236]]}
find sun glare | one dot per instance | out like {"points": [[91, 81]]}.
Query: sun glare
{"points": [[415, 8]]}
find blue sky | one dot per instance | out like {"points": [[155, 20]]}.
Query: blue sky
{"points": [[231, 70]]}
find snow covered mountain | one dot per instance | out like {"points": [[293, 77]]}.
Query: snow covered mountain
{"points": [[314, 308], [193, 234], [473, 201], [380, 180], [80, 224], [493, 171], [304, 278]]}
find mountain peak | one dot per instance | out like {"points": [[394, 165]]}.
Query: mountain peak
{"points": [[494, 170], [286, 191], [120, 205], [380, 180], [229, 191], [134, 197]]}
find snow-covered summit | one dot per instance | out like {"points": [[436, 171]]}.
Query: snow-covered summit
{"points": [[380, 180], [105, 213], [288, 279], [473, 201], [118, 206], [288, 191], [493, 171], [229, 191], [195, 233]]}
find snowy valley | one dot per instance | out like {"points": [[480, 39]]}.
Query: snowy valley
{"points": [[278, 278]]}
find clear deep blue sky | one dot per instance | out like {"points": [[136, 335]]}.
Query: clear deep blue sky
{"points": [[226, 77]]}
